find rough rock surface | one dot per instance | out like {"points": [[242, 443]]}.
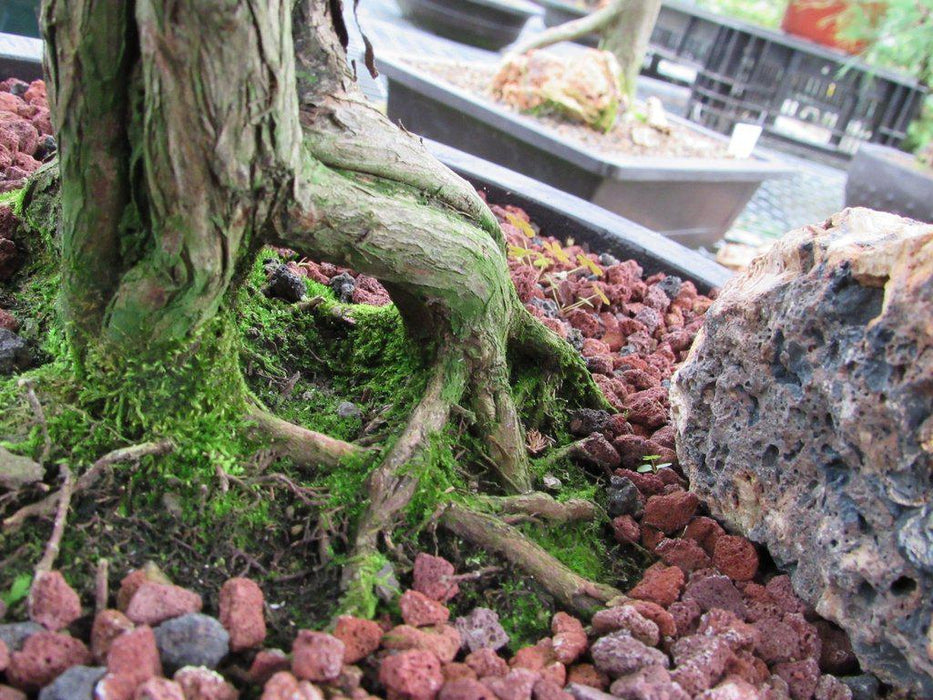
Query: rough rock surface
{"points": [[803, 418]]}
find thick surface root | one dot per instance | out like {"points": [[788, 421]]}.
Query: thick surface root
{"points": [[493, 535], [306, 448]]}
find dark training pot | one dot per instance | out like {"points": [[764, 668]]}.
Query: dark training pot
{"points": [[692, 200], [887, 179], [489, 24], [563, 216]]}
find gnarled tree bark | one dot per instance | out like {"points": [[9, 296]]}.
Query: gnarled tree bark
{"points": [[193, 131]]}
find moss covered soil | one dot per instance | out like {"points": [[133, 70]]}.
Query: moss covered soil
{"points": [[221, 504]]}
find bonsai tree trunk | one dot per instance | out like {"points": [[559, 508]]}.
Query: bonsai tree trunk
{"points": [[625, 27], [193, 131]]}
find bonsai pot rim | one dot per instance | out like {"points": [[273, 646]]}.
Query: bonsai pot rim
{"points": [[631, 168]]}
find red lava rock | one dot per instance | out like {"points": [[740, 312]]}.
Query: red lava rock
{"points": [[115, 687], [625, 530], [8, 321], [589, 675], [647, 682], [153, 603], [831, 688], [645, 409], [454, 670], [683, 553], [731, 689], [599, 451], [8, 693], [747, 666], [686, 614], [716, 592], [241, 613], [629, 619], [486, 662], [517, 684], [443, 640], [546, 689], [433, 576], [801, 677], [269, 662], [53, 603], [200, 683], [569, 641], [555, 672], [360, 637], [131, 583], [284, 686], [738, 634], [836, 655], [619, 653], [599, 364], [651, 537], [316, 656], [159, 689], [465, 689], [658, 615], [670, 513], [660, 584], [108, 625], [759, 603], [44, 656], [781, 591], [584, 322], [632, 450], [135, 655], [36, 92], [777, 642], [808, 638], [4, 656], [414, 674], [736, 557], [705, 531], [420, 611], [534, 658], [700, 661]]}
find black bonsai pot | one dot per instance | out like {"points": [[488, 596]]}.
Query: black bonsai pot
{"points": [[489, 24], [563, 215], [887, 179], [692, 200]]}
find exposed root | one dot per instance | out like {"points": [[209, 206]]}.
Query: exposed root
{"points": [[306, 448], [541, 505], [54, 544], [36, 406], [531, 337], [490, 533], [390, 488], [49, 504], [101, 585]]}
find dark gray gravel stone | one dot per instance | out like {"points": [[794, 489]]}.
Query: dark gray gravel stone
{"points": [[15, 634], [481, 629], [343, 286], [285, 285], [191, 640], [14, 355], [77, 683]]}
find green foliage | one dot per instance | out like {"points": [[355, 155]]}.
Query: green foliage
{"points": [[767, 13], [18, 591]]}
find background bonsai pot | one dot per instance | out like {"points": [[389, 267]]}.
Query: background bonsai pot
{"points": [[490, 24], [691, 200], [563, 215], [887, 179]]}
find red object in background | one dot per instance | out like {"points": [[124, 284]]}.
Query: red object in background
{"points": [[816, 21]]}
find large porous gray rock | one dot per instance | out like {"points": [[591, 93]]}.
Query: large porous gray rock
{"points": [[803, 418]]}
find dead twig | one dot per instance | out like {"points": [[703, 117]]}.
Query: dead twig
{"points": [[36, 406], [101, 585], [48, 505], [54, 544]]}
